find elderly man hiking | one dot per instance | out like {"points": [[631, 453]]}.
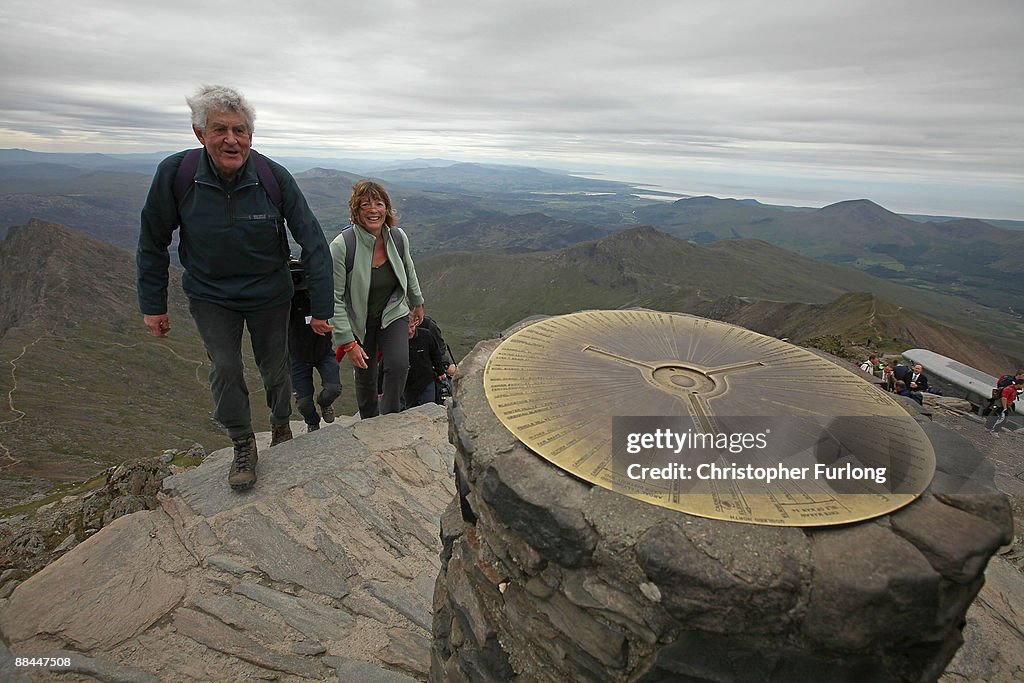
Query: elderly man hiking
{"points": [[232, 206]]}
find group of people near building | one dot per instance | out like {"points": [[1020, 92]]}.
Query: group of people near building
{"points": [[910, 381], [899, 378], [357, 298]]}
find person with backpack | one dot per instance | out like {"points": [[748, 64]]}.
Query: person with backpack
{"points": [[870, 365], [995, 403], [310, 351], [426, 367], [900, 371], [1007, 397], [378, 295], [232, 206], [443, 384]]}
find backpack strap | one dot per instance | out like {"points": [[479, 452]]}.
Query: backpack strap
{"points": [[435, 329], [267, 179], [349, 235], [399, 239], [185, 176]]}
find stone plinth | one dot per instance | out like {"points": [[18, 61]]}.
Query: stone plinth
{"points": [[556, 580]]}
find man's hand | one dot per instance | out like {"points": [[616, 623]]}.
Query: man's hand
{"points": [[159, 325], [320, 326]]}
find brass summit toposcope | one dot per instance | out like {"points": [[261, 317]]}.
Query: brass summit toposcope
{"points": [[707, 418]]}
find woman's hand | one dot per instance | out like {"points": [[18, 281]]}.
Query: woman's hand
{"points": [[416, 315], [356, 356]]}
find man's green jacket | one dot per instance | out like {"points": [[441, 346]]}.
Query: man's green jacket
{"points": [[232, 243]]}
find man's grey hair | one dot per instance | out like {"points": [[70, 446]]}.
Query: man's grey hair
{"points": [[218, 98]]}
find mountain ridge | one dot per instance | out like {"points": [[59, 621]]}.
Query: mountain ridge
{"points": [[850, 318], [645, 267], [87, 384], [948, 257], [69, 326]]}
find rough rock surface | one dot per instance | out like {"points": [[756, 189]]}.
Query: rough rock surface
{"points": [[993, 649], [550, 579], [324, 570], [29, 543]]}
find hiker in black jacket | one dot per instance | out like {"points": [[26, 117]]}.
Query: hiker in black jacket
{"points": [[310, 351], [426, 365], [234, 250]]}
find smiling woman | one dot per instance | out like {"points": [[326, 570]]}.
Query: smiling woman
{"points": [[375, 285]]}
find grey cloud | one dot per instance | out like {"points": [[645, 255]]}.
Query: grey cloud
{"points": [[929, 86]]}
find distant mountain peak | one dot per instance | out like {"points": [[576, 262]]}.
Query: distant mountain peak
{"points": [[851, 205], [319, 172], [494, 169], [56, 278], [864, 213], [646, 232], [39, 238], [644, 245], [861, 297], [711, 201], [703, 199]]}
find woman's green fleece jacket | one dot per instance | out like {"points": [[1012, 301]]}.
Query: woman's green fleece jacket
{"points": [[352, 289]]}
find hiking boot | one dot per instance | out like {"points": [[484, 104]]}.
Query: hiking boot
{"points": [[328, 413], [280, 433], [242, 474], [311, 427]]}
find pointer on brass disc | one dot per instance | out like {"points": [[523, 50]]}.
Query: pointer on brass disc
{"points": [[561, 384]]}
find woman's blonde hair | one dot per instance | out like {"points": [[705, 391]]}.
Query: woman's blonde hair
{"points": [[368, 189]]}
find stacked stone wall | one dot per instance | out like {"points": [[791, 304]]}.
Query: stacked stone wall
{"points": [[546, 578]]}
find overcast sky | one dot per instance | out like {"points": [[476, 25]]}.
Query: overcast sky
{"points": [[916, 104]]}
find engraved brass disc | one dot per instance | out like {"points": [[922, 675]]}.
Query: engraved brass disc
{"points": [[559, 385]]}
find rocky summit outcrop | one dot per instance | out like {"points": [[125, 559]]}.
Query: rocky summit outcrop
{"points": [[30, 541], [331, 569], [550, 579], [325, 570]]}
